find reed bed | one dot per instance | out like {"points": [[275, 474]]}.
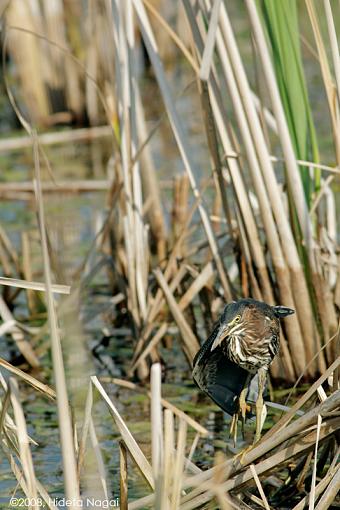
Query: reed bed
{"points": [[261, 222]]}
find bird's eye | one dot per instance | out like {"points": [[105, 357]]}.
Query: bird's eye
{"points": [[237, 318]]}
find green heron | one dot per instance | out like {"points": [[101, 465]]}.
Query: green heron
{"points": [[231, 366]]}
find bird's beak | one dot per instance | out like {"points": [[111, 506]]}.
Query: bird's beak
{"points": [[224, 331]]}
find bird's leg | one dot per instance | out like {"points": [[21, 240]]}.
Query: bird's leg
{"points": [[242, 411], [262, 374], [242, 401]]}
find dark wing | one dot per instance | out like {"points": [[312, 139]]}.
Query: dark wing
{"points": [[219, 377], [222, 380]]}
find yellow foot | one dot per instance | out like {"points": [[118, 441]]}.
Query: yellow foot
{"points": [[241, 413]]}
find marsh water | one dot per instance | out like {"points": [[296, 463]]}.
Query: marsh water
{"points": [[73, 221]]}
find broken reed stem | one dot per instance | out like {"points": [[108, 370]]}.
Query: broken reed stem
{"points": [[312, 490], [18, 336], [197, 497], [179, 465], [43, 388], [123, 480], [180, 210], [259, 486], [190, 343], [202, 279], [24, 284], [27, 271], [169, 448], [331, 492], [23, 442], [289, 432], [156, 422], [130, 443]]}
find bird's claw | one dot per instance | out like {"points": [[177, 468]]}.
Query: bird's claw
{"points": [[242, 411]]}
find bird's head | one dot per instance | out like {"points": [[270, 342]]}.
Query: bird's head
{"points": [[247, 317]]}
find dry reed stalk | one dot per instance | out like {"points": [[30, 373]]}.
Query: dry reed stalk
{"points": [[142, 262], [294, 179], [9, 249], [53, 22], [326, 75], [63, 78], [320, 487], [202, 279], [334, 45], [64, 417], [172, 34], [81, 186], [159, 301], [241, 194], [123, 480], [330, 493], [312, 490], [156, 425], [130, 443], [27, 271], [26, 53], [24, 284], [297, 279], [22, 344], [180, 213], [155, 307], [259, 487], [323, 295], [200, 496], [17, 472], [169, 271], [85, 429], [23, 442], [309, 393], [180, 137], [49, 501], [134, 229], [150, 183], [178, 465], [91, 63], [192, 451], [55, 138], [271, 440], [190, 343], [240, 191], [219, 493], [99, 459], [5, 262], [43, 388], [6, 327], [209, 123], [8, 427], [169, 447]]}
